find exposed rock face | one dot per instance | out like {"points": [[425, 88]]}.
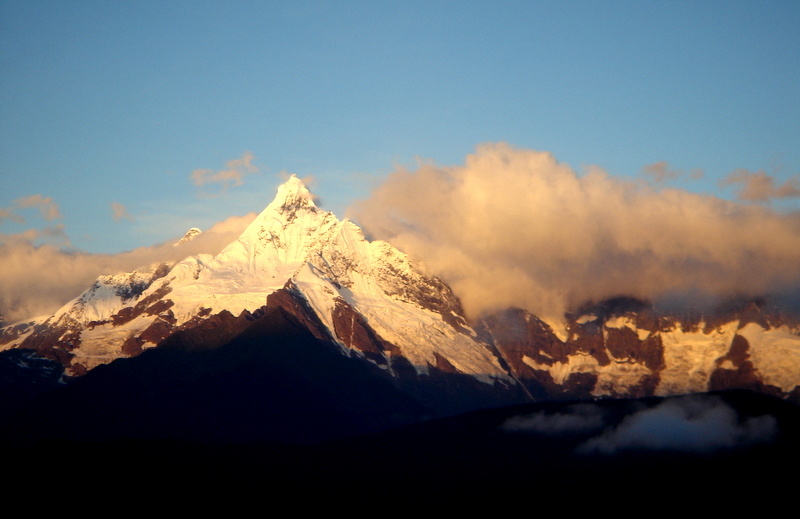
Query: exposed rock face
{"points": [[287, 298], [353, 330], [621, 347]]}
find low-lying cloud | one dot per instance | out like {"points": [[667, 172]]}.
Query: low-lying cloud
{"points": [[691, 424], [514, 227], [575, 419], [697, 425]]}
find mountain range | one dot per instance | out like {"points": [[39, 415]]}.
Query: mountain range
{"points": [[371, 302], [303, 331]]}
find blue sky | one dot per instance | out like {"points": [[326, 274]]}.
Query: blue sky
{"points": [[107, 103]]}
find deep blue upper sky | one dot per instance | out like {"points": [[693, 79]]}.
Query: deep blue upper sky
{"points": [[107, 103]]}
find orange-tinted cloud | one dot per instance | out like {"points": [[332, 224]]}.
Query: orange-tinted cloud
{"points": [[514, 227], [47, 207], [662, 173], [233, 174], [7, 213], [757, 186], [119, 212]]}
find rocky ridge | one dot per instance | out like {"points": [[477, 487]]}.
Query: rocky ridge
{"points": [[622, 348]]}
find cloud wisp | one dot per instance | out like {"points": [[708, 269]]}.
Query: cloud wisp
{"points": [[48, 209], [575, 419], [757, 186], [232, 176], [661, 173], [120, 212], [514, 227]]}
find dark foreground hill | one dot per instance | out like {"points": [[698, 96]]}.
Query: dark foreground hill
{"points": [[714, 451], [258, 408], [257, 378]]}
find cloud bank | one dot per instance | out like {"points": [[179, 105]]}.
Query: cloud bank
{"points": [[514, 227], [37, 280]]}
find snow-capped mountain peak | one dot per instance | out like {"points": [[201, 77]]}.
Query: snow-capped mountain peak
{"points": [[292, 195], [283, 235], [366, 296]]}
